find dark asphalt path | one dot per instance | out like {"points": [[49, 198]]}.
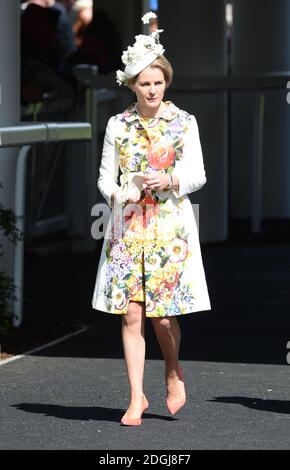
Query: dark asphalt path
{"points": [[72, 395], [66, 398]]}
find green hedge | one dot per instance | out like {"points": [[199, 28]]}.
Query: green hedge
{"points": [[7, 287]]}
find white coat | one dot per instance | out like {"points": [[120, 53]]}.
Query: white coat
{"points": [[160, 262]]}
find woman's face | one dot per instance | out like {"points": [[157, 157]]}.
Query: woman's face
{"points": [[150, 88]]}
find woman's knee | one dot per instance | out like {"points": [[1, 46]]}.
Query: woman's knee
{"points": [[165, 323], [134, 315]]}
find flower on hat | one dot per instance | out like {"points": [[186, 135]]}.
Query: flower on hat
{"points": [[120, 77], [143, 45], [147, 17]]}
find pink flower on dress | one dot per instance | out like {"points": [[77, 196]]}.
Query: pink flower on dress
{"points": [[177, 250], [161, 156]]}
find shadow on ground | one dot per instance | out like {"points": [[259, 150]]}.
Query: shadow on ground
{"points": [[81, 413], [275, 406]]}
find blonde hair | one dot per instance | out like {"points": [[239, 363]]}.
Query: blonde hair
{"points": [[161, 63]]}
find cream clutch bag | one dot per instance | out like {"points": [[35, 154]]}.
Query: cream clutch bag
{"points": [[131, 187]]}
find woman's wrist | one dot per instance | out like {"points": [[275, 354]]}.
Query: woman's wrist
{"points": [[170, 181], [173, 182]]}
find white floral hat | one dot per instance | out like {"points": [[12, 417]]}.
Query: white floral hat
{"points": [[143, 52]]}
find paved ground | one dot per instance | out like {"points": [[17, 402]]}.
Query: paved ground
{"points": [[67, 398], [72, 395]]}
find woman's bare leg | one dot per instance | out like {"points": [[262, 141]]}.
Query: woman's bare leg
{"points": [[168, 334], [133, 327]]}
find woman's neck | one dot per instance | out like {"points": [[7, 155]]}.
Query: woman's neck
{"points": [[149, 113]]}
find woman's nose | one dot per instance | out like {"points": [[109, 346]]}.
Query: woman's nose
{"points": [[152, 89]]}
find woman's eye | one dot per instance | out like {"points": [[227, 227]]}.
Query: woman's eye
{"points": [[148, 84]]}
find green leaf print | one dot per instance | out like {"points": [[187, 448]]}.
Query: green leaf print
{"points": [[164, 212], [181, 233], [144, 165], [159, 310], [163, 260]]}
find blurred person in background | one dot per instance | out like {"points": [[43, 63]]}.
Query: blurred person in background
{"points": [[82, 17], [99, 44], [62, 41], [46, 42]]}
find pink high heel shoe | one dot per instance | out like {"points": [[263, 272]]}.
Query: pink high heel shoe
{"points": [[175, 405], [135, 421]]}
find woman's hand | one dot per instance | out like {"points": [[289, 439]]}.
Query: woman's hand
{"points": [[156, 180]]}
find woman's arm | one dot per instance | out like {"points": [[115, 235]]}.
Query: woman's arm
{"points": [[109, 168], [189, 174]]}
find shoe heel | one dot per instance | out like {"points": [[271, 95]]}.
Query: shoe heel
{"points": [[135, 421], [175, 405], [145, 406]]}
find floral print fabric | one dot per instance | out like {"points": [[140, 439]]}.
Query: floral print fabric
{"points": [[154, 258]]}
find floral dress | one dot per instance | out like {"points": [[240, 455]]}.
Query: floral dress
{"points": [[156, 257]]}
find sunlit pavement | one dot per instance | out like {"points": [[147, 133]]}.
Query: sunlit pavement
{"points": [[72, 395]]}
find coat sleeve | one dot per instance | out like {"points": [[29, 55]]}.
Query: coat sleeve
{"points": [[190, 168], [109, 168]]}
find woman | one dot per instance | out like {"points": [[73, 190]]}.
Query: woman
{"points": [[153, 266]]}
